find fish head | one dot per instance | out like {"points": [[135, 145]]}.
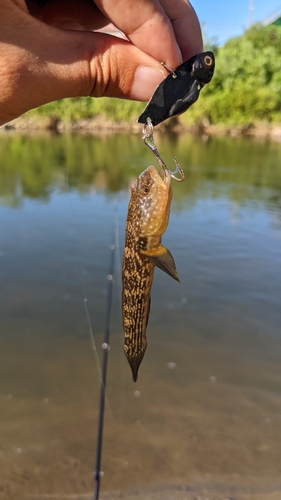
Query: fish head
{"points": [[154, 194]]}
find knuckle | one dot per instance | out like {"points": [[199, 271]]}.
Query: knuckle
{"points": [[111, 74]]}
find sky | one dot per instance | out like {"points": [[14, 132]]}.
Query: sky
{"points": [[224, 19]]}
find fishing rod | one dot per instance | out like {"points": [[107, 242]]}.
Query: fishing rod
{"points": [[106, 349], [105, 345]]}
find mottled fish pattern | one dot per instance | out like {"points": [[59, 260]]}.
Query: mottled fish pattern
{"points": [[147, 220]]}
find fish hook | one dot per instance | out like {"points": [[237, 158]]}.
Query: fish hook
{"points": [[149, 141]]}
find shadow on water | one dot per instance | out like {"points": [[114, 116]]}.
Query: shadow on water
{"points": [[207, 406]]}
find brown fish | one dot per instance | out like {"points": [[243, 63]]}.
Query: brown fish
{"points": [[147, 220]]}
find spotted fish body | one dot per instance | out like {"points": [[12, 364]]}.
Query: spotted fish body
{"points": [[147, 220]]}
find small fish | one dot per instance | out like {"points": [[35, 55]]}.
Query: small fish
{"points": [[147, 220]]}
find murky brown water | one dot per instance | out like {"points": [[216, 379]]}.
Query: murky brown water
{"points": [[207, 407]]}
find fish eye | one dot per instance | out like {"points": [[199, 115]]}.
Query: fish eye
{"points": [[146, 189], [208, 60]]}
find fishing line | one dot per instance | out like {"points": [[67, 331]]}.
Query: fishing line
{"points": [[85, 298], [106, 349]]}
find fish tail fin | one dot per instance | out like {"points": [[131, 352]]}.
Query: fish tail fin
{"points": [[134, 362], [161, 257], [135, 369]]}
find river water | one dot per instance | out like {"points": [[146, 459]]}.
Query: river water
{"points": [[207, 405]]}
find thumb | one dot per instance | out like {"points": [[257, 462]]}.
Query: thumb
{"points": [[41, 63]]}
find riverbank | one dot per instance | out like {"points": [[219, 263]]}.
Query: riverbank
{"points": [[101, 124]]}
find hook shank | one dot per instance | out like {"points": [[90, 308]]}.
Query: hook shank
{"points": [[149, 141]]}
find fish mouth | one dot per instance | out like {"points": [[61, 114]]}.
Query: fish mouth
{"points": [[161, 178]]}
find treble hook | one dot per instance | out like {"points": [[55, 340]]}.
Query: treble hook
{"points": [[149, 141]]}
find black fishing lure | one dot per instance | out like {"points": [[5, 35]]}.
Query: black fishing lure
{"points": [[180, 89]]}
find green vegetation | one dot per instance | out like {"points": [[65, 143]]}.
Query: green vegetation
{"points": [[77, 108], [247, 83], [246, 87]]}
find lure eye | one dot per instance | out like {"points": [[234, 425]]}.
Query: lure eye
{"points": [[208, 60]]}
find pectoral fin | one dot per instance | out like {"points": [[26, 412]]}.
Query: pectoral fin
{"points": [[161, 257]]}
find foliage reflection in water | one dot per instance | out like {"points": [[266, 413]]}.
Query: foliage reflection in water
{"points": [[208, 400]]}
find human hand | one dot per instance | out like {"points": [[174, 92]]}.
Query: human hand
{"points": [[48, 51]]}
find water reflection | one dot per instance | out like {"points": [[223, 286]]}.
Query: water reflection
{"points": [[207, 404], [34, 168]]}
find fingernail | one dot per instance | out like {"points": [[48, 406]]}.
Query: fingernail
{"points": [[146, 81]]}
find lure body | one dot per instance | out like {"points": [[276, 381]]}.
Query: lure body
{"points": [[147, 220], [180, 89]]}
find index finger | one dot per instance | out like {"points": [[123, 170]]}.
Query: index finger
{"points": [[185, 25], [147, 26]]}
